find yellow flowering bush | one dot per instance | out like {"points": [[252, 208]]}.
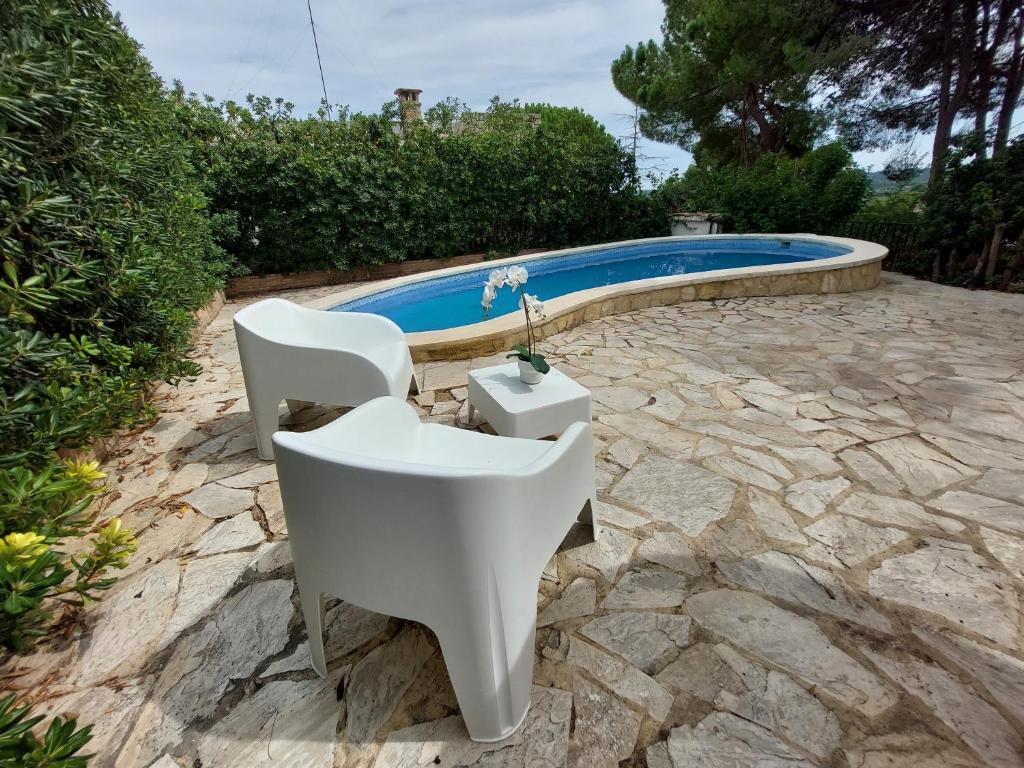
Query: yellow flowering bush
{"points": [[32, 574], [21, 549], [86, 471], [37, 511], [111, 548]]}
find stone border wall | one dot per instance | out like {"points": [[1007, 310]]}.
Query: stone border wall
{"points": [[252, 285], [206, 315], [839, 280]]}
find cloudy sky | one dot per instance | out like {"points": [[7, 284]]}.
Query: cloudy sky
{"points": [[537, 50]]}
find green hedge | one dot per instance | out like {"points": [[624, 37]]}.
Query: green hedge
{"points": [[106, 250], [814, 193], [314, 193]]}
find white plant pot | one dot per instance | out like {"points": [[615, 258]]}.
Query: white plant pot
{"points": [[528, 374]]}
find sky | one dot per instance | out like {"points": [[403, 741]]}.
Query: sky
{"points": [[555, 51]]}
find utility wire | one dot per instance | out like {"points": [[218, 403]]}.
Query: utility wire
{"points": [[257, 19], [316, 45]]}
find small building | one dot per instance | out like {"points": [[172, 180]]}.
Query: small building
{"points": [[695, 223], [409, 103]]}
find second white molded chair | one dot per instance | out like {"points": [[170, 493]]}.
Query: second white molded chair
{"points": [[439, 525], [290, 352]]}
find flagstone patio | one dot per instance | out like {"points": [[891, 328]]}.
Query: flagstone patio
{"points": [[813, 556]]}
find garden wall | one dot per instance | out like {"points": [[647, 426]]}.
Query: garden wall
{"points": [[252, 285]]}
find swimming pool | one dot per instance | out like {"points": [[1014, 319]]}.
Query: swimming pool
{"points": [[452, 301], [441, 313]]}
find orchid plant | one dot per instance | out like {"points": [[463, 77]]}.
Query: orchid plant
{"points": [[515, 278]]}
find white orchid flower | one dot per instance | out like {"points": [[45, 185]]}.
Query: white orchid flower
{"points": [[516, 276], [535, 305], [488, 296], [497, 278]]}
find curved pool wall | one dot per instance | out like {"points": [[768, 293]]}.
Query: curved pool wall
{"points": [[573, 285], [450, 301]]}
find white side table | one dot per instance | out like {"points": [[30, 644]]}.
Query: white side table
{"points": [[516, 409]]}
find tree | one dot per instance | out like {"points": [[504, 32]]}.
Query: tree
{"points": [[1012, 95], [734, 80], [978, 203], [930, 63]]}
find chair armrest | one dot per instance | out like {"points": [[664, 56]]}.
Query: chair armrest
{"points": [[576, 443]]}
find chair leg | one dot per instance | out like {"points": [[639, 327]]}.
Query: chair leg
{"points": [[313, 613], [294, 406], [588, 516], [489, 654], [266, 422]]}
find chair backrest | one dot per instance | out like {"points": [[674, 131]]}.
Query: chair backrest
{"points": [[283, 322], [363, 520], [276, 320]]}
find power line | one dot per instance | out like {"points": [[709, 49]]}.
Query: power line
{"points": [[257, 20], [316, 45]]}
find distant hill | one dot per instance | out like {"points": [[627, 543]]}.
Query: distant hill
{"points": [[880, 184]]}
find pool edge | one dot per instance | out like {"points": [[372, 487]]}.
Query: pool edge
{"points": [[860, 269]]}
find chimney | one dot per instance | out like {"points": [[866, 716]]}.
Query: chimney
{"points": [[409, 102]]}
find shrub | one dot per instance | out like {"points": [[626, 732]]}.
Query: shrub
{"points": [[777, 193], [53, 501], [20, 747], [311, 193], [106, 250], [903, 207], [974, 215]]}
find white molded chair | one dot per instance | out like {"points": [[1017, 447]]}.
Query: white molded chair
{"points": [[443, 526], [302, 355]]}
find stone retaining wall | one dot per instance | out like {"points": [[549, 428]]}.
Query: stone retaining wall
{"points": [[205, 315], [251, 285]]}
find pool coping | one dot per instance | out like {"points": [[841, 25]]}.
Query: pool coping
{"points": [[841, 273]]}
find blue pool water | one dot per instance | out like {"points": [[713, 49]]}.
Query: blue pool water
{"points": [[454, 300]]}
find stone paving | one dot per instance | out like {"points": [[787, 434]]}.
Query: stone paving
{"points": [[813, 556]]}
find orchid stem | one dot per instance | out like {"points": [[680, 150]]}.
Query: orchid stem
{"points": [[529, 323]]}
